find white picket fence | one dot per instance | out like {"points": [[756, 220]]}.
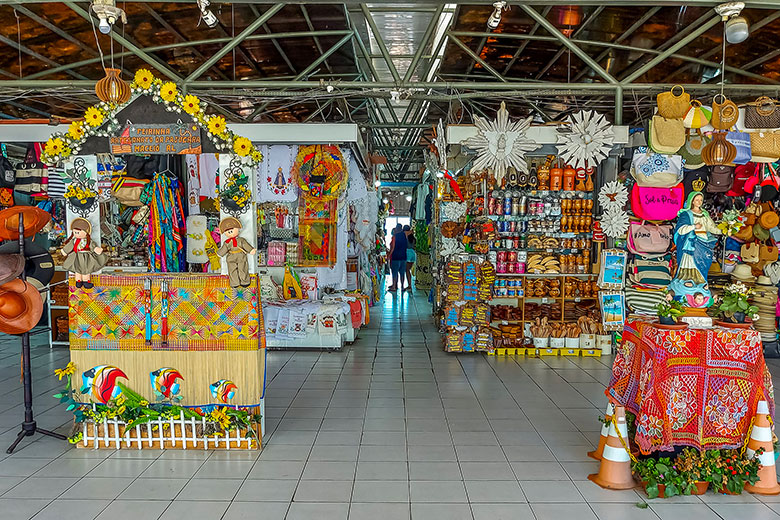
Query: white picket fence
{"points": [[175, 433]]}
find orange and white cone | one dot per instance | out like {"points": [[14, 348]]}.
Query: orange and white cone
{"points": [[596, 454], [615, 470], [761, 437]]}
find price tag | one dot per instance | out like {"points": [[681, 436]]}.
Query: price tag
{"points": [[550, 251], [576, 300], [544, 300]]}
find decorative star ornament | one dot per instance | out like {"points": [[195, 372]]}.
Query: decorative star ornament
{"points": [[586, 140], [500, 144], [614, 222], [613, 196]]}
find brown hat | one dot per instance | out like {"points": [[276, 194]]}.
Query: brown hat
{"points": [[11, 266], [34, 220], [228, 223], [21, 307], [768, 219], [38, 266]]}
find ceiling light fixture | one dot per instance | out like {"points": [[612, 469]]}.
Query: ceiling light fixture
{"points": [[737, 28], [208, 17], [377, 183], [408, 198], [495, 16], [107, 13]]}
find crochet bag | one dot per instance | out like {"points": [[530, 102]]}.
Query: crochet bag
{"points": [[697, 115]]}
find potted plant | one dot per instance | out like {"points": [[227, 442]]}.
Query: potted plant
{"points": [[693, 465], [669, 311], [734, 306], [730, 471], [661, 478]]}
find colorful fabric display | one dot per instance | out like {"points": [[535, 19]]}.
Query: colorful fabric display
{"points": [[166, 224], [650, 272]]}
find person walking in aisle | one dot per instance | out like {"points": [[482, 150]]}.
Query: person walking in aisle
{"points": [[398, 246], [411, 255]]}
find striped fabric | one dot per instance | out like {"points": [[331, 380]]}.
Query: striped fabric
{"points": [[648, 271], [56, 183], [644, 301]]}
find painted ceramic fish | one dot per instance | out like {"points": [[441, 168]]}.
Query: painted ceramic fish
{"points": [[100, 383], [164, 381], [223, 390]]}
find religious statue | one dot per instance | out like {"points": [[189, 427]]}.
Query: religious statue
{"points": [[695, 239]]}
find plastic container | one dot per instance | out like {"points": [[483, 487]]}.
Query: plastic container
{"points": [[541, 342], [604, 342], [572, 342], [588, 341], [557, 342]]}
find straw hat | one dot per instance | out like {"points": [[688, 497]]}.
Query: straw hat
{"points": [[743, 273], [21, 307], [764, 280], [34, 220], [11, 266]]}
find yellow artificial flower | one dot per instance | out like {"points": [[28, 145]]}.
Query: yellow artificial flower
{"points": [[257, 156], [169, 91], [242, 146], [69, 369], [76, 130], [191, 104], [93, 116], [53, 146], [217, 125], [144, 79], [144, 403]]}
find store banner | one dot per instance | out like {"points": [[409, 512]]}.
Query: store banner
{"points": [[276, 183], [175, 138]]}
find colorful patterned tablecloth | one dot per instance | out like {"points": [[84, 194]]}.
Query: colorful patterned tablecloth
{"points": [[692, 387]]}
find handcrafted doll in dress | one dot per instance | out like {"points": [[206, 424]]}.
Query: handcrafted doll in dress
{"points": [[236, 249], [81, 258]]}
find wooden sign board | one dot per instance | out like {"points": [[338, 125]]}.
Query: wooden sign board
{"points": [[169, 139]]}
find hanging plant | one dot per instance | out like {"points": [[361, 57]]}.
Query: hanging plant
{"points": [[100, 121], [235, 195], [81, 193], [586, 140]]}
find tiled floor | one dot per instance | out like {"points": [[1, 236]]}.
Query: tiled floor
{"points": [[390, 428]]}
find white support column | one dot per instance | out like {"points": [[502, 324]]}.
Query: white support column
{"points": [[248, 219], [90, 163]]}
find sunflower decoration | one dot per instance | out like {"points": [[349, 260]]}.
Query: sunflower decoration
{"points": [[320, 171], [143, 79], [76, 130], [94, 117], [217, 125], [169, 91], [256, 156], [242, 146], [191, 104], [54, 147]]}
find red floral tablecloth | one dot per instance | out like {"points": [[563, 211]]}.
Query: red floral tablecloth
{"points": [[693, 387]]}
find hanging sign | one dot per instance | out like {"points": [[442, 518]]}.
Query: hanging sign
{"points": [[175, 138]]}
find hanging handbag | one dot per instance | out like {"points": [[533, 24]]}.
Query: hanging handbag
{"points": [[655, 203], [721, 178], [718, 151], [770, 184], [695, 180], [654, 169], [749, 252], [764, 147], [644, 238], [724, 114], [650, 271], [741, 141], [692, 149], [742, 173], [767, 253], [7, 173], [666, 135], [673, 106], [763, 113], [697, 115], [127, 190]]}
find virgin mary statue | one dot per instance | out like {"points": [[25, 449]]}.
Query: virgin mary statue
{"points": [[695, 239]]}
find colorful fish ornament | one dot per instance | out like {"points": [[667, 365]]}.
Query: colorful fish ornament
{"points": [[164, 382], [223, 390], [100, 383]]}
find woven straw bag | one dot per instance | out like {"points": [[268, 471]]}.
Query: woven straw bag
{"points": [[764, 147], [673, 106], [666, 135], [763, 113], [724, 113]]}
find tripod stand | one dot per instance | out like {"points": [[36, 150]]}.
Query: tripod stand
{"points": [[29, 426]]}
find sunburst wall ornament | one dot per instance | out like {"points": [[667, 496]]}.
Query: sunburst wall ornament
{"points": [[613, 196], [586, 140], [614, 222], [500, 143]]}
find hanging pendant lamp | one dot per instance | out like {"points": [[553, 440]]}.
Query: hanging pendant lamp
{"points": [[112, 88]]}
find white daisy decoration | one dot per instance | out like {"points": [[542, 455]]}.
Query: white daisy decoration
{"points": [[453, 210], [451, 246], [614, 222], [586, 140], [500, 144], [613, 195]]}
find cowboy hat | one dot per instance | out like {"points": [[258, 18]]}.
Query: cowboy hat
{"points": [[743, 273], [34, 220], [21, 307], [39, 265], [11, 266]]}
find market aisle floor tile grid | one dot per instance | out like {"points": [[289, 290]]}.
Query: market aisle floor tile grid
{"points": [[391, 427]]}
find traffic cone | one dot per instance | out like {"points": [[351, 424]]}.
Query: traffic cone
{"points": [[615, 470], [761, 437], [596, 454]]}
